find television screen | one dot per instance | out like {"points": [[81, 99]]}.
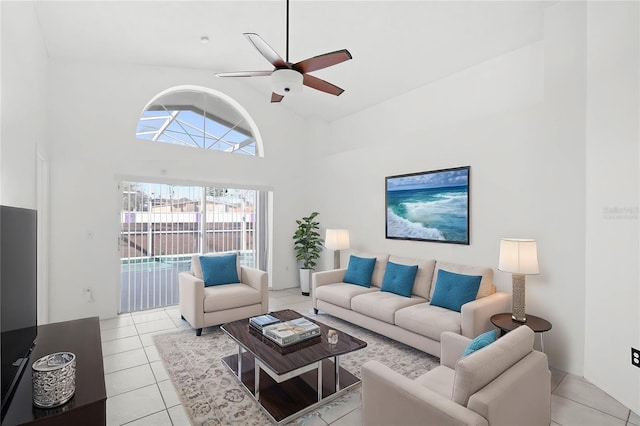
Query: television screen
{"points": [[18, 302], [428, 206]]}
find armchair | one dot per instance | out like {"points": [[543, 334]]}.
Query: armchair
{"points": [[503, 384], [204, 306]]}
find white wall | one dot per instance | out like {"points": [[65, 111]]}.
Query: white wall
{"points": [[527, 173], [94, 110], [23, 91], [612, 295]]}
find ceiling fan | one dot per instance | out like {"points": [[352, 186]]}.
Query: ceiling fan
{"points": [[288, 77]]}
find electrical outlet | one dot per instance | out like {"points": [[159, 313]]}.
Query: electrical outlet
{"points": [[635, 357]]}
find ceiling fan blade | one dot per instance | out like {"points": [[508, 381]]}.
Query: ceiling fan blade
{"points": [[321, 85], [244, 74], [276, 98], [323, 61], [266, 50]]}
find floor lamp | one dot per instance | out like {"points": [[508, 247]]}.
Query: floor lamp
{"points": [[520, 257], [337, 239]]}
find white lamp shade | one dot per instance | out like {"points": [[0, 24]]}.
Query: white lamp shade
{"points": [[337, 239], [286, 81], [518, 256]]}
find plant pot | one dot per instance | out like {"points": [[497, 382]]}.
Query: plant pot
{"points": [[305, 280]]}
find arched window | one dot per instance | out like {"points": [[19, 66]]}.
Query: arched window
{"points": [[199, 117]]}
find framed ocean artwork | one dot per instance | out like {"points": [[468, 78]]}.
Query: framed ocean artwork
{"points": [[428, 206]]}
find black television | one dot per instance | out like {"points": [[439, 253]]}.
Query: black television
{"points": [[18, 301]]}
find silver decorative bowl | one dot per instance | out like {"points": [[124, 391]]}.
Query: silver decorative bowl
{"points": [[54, 379]]}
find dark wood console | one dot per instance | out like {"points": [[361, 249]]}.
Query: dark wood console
{"points": [[88, 405]]}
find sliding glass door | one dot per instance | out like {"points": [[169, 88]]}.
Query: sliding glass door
{"points": [[163, 225]]}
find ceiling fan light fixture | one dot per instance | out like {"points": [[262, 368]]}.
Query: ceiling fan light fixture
{"points": [[286, 81]]}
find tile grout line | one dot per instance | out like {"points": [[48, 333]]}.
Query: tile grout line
{"points": [[155, 377], [588, 406], [148, 362], [164, 401], [131, 390], [558, 385], [148, 415]]}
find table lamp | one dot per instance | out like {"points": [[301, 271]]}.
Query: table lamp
{"points": [[520, 257], [337, 239]]}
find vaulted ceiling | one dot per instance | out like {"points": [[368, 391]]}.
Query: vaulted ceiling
{"points": [[397, 46]]}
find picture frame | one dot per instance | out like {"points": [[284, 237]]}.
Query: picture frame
{"points": [[428, 206]]}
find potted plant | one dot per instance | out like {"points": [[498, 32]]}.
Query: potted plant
{"points": [[308, 246]]}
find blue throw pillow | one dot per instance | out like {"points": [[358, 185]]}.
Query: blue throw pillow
{"points": [[399, 279], [360, 270], [218, 270], [480, 342], [454, 290]]}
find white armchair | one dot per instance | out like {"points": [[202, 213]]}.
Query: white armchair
{"points": [[204, 306], [504, 384]]}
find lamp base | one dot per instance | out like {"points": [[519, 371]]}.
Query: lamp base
{"points": [[518, 296], [336, 259]]}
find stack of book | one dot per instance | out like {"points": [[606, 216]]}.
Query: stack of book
{"points": [[290, 332], [262, 321]]}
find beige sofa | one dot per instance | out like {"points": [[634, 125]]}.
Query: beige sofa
{"points": [[204, 306], [413, 320], [503, 384]]}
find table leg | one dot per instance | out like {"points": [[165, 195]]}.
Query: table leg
{"points": [[336, 364], [256, 391], [240, 362], [319, 381], [542, 341]]}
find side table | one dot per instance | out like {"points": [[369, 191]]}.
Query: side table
{"points": [[506, 324]]}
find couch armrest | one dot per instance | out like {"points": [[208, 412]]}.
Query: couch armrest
{"points": [[327, 277], [259, 280], [506, 402], [191, 299], [318, 279], [452, 346], [389, 398], [475, 315]]}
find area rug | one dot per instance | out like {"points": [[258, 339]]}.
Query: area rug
{"points": [[211, 394]]}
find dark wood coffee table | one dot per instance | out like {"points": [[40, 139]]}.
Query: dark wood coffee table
{"points": [[288, 382]]}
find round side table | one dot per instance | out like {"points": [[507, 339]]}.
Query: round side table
{"points": [[506, 324]]}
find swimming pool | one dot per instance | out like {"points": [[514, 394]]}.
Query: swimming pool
{"points": [[152, 282]]}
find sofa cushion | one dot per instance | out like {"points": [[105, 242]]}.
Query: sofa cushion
{"points": [[399, 279], [480, 342], [439, 380], [486, 285], [429, 321], [482, 367], [359, 270], [219, 270], [221, 297], [196, 268], [340, 294], [454, 290], [378, 270], [382, 305], [424, 276]]}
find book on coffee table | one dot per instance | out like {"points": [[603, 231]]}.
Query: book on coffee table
{"points": [[262, 321], [289, 332]]}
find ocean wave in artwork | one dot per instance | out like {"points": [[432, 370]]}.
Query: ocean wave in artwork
{"points": [[400, 227], [445, 205]]}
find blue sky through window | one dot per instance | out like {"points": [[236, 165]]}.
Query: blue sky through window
{"points": [[189, 125]]}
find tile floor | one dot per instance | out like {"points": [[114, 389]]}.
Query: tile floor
{"points": [[140, 393]]}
